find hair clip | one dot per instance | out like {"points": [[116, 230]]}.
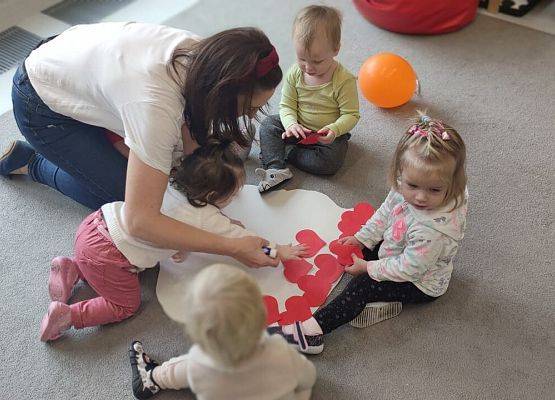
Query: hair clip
{"points": [[425, 119], [422, 132], [419, 131], [445, 135]]}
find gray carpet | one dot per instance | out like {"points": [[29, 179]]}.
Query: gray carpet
{"points": [[489, 337]]}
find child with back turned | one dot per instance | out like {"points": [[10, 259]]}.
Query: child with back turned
{"points": [[232, 357]]}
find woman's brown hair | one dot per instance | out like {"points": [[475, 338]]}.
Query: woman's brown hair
{"points": [[217, 70], [211, 174]]}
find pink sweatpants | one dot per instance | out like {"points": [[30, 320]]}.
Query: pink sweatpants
{"points": [[108, 272]]}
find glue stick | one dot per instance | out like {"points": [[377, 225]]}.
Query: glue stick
{"points": [[270, 250]]}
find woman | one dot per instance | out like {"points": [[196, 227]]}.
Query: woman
{"points": [[165, 90]]}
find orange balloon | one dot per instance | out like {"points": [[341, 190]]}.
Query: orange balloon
{"points": [[387, 80]]}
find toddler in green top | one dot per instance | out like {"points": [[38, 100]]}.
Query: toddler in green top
{"points": [[318, 108]]}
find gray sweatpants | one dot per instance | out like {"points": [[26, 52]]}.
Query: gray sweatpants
{"points": [[319, 159]]}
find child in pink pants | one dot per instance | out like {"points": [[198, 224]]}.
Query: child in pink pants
{"points": [[109, 259], [98, 261]]}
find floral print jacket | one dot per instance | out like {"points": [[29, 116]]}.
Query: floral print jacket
{"points": [[418, 246]]}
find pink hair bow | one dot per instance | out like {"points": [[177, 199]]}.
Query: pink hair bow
{"points": [[416, 129]]}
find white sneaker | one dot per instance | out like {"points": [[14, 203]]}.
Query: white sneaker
{"points": [[270, 178], [294, 335], [376, 312]]}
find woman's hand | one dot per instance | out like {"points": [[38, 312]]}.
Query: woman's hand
{"points": [[328, 136], [359, 267], [248, 250], [144, 193], [350, 241], [287, 252], [296, 130]]}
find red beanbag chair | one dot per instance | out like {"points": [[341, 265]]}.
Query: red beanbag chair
{"points": [[427, 17]]}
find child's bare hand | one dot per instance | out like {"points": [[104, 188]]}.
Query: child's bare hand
{"points": [[328, 136], [350, 241], [359, 266], [296, 130], [300, 250], [289, 252]]}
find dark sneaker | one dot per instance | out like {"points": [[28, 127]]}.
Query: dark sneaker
{"points": [[18, 155], [142, 366]]}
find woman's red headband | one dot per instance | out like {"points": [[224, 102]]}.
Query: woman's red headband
{"points": [[266, 64]]}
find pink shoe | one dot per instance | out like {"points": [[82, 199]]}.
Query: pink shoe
{"points": [[56, 320], [63, 276]]}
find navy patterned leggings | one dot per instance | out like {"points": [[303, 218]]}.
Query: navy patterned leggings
{"points": [[362, 290]]}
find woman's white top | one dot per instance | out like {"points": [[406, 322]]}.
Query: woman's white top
{"points": [[115, 75]]}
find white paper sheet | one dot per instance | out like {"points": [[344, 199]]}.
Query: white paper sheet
{"points": [[276, 216]]}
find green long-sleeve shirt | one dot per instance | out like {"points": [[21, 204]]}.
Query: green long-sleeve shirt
{"points": [[333, 104]]}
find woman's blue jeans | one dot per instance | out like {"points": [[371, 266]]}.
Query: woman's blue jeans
{"points": [[74, 158]]}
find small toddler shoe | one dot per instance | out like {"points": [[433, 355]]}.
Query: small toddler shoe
{"points": [[63, 276], [271, 178], [142, 366], [376, 312], [56, 320], [295, 335]]}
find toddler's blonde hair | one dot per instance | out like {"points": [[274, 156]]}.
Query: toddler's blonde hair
{"points": [[432, 146], [307, 21], [224, 313]]}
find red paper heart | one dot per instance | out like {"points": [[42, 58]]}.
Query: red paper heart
{"points": [[311, 138], [311, 240], [344, 252], [294, 269], [272, 309], [315, 289], [351, 221], [296, 309], [329, 269], [364, 210]]}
